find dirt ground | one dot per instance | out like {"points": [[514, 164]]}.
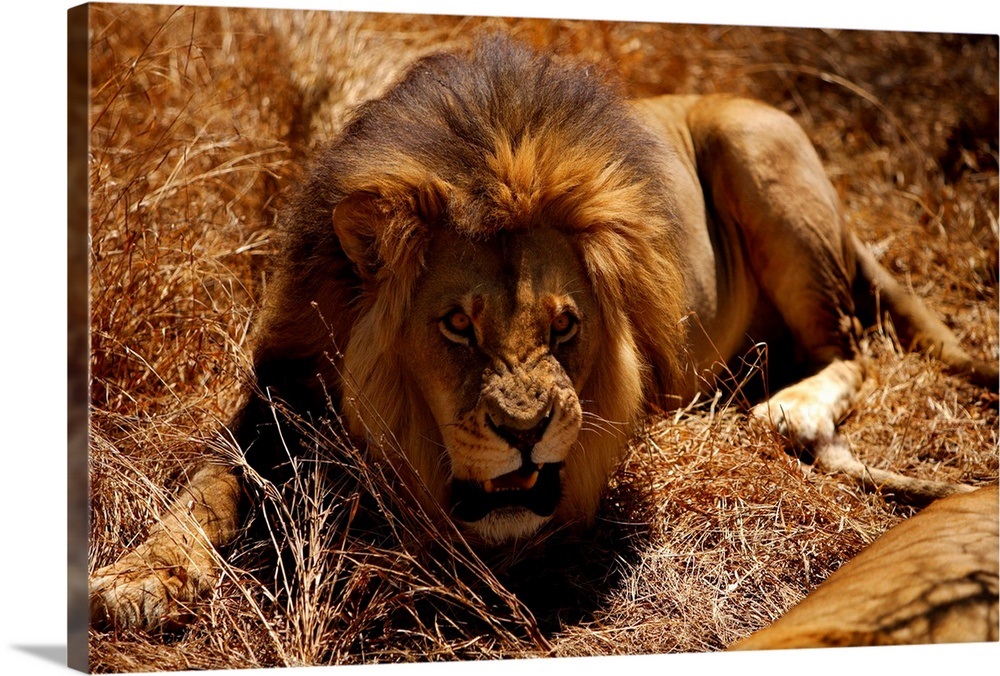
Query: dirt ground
{"points": [[200, 118]]}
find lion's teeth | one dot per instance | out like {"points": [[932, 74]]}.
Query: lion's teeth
{"points": [[512, 481]]}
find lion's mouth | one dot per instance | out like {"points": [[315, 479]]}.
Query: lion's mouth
{"points": [[533, 487]]}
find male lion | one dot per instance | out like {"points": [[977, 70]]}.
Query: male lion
{"points": [[501, 265]]}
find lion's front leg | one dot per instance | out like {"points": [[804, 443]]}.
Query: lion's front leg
{"points": [[154, 586], [150, 588]]}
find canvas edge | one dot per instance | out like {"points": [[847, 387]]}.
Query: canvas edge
{"points": [[78, 336]]}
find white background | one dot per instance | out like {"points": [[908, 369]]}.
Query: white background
{"points": [[33, 311]]}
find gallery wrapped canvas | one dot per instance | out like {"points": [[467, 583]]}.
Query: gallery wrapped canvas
{"points": [[417, 338]]}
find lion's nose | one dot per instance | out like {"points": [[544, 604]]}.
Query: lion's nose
{"points": [[523, 439]]}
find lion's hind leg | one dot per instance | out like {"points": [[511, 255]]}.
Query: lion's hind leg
{"points": [[768, 187]]}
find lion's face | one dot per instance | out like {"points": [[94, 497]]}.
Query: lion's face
{"points": [[496, 249], [501, 337]]}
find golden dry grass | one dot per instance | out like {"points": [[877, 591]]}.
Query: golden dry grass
{"points": [[200, 117]]}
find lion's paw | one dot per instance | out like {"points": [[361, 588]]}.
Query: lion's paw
{"points": [[804, 420], [145, 592], [808, 411]]}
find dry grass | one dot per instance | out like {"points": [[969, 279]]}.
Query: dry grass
{"points": [[200, 117]]}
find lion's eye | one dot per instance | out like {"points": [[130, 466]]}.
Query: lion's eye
{"points": [[458, 328], [564, 327]]}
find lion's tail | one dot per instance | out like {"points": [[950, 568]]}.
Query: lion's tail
{"points": [[916, 325]]}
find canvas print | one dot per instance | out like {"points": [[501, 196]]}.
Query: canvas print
{"points": [[414, 338]]}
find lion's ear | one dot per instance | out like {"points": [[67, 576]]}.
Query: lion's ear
{"points": [[376, 229], [354, 222]]}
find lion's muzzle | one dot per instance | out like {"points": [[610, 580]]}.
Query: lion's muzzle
{"points": [[523, 440], [529, 411]]}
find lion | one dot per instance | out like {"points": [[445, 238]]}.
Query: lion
{"points": [[501, 267], [942, 588]]}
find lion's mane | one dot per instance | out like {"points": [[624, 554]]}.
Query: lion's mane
{"points": [[500, 139]]}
